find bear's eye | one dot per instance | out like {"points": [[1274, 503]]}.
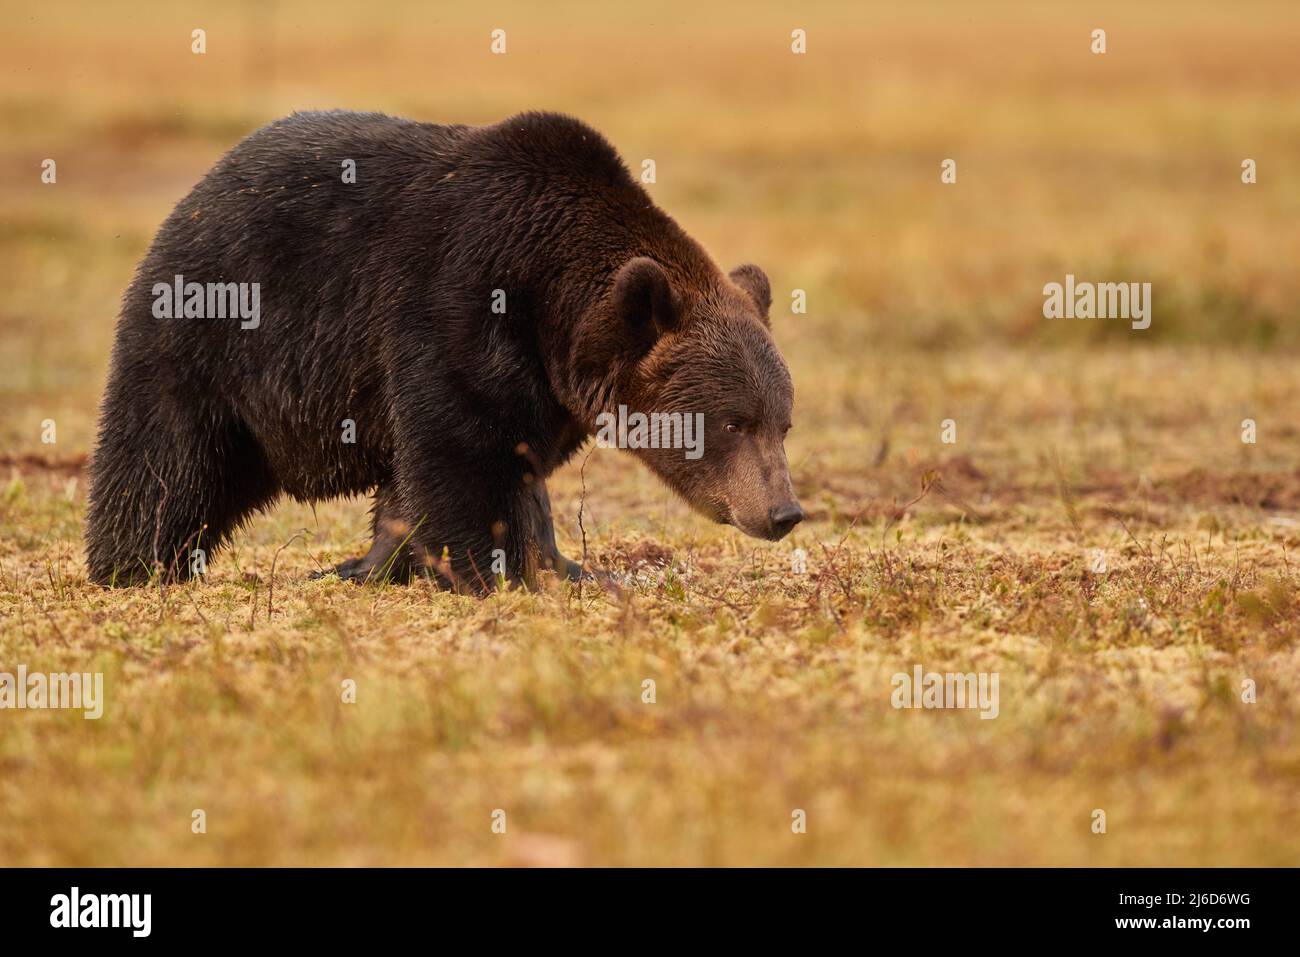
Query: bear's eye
{"points": [[785, 430], [733, 427]]}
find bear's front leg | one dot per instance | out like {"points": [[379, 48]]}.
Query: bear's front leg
{"points": [[471, 524], [544, 533], [552, 559], [389, 557]]}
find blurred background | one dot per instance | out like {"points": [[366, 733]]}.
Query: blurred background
{"points": [[924, 304], [824, 168]]}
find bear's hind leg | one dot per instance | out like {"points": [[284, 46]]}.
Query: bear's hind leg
{"points": [[165, 497]]}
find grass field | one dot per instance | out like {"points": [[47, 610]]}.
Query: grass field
{"points": [[1098, 535]]}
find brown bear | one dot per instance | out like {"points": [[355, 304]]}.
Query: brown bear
{"points": [[440, 315]]}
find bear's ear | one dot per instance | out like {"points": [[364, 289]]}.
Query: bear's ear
{"points": [[643, 299], [754, 281]]}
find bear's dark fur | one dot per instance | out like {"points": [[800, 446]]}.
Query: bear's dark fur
{"points": [[376, 306]]}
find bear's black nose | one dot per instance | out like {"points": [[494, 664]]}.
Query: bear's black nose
{"points": [[783, 518]]}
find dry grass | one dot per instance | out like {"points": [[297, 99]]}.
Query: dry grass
{"points": [[1120, 689]]}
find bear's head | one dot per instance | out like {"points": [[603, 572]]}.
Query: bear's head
{"points": [[701, 394]]}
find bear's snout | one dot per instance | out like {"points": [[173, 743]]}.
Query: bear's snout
{"points": [[782, 519]]}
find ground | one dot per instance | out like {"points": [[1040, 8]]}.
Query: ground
{"points": [[1098, 534]]}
